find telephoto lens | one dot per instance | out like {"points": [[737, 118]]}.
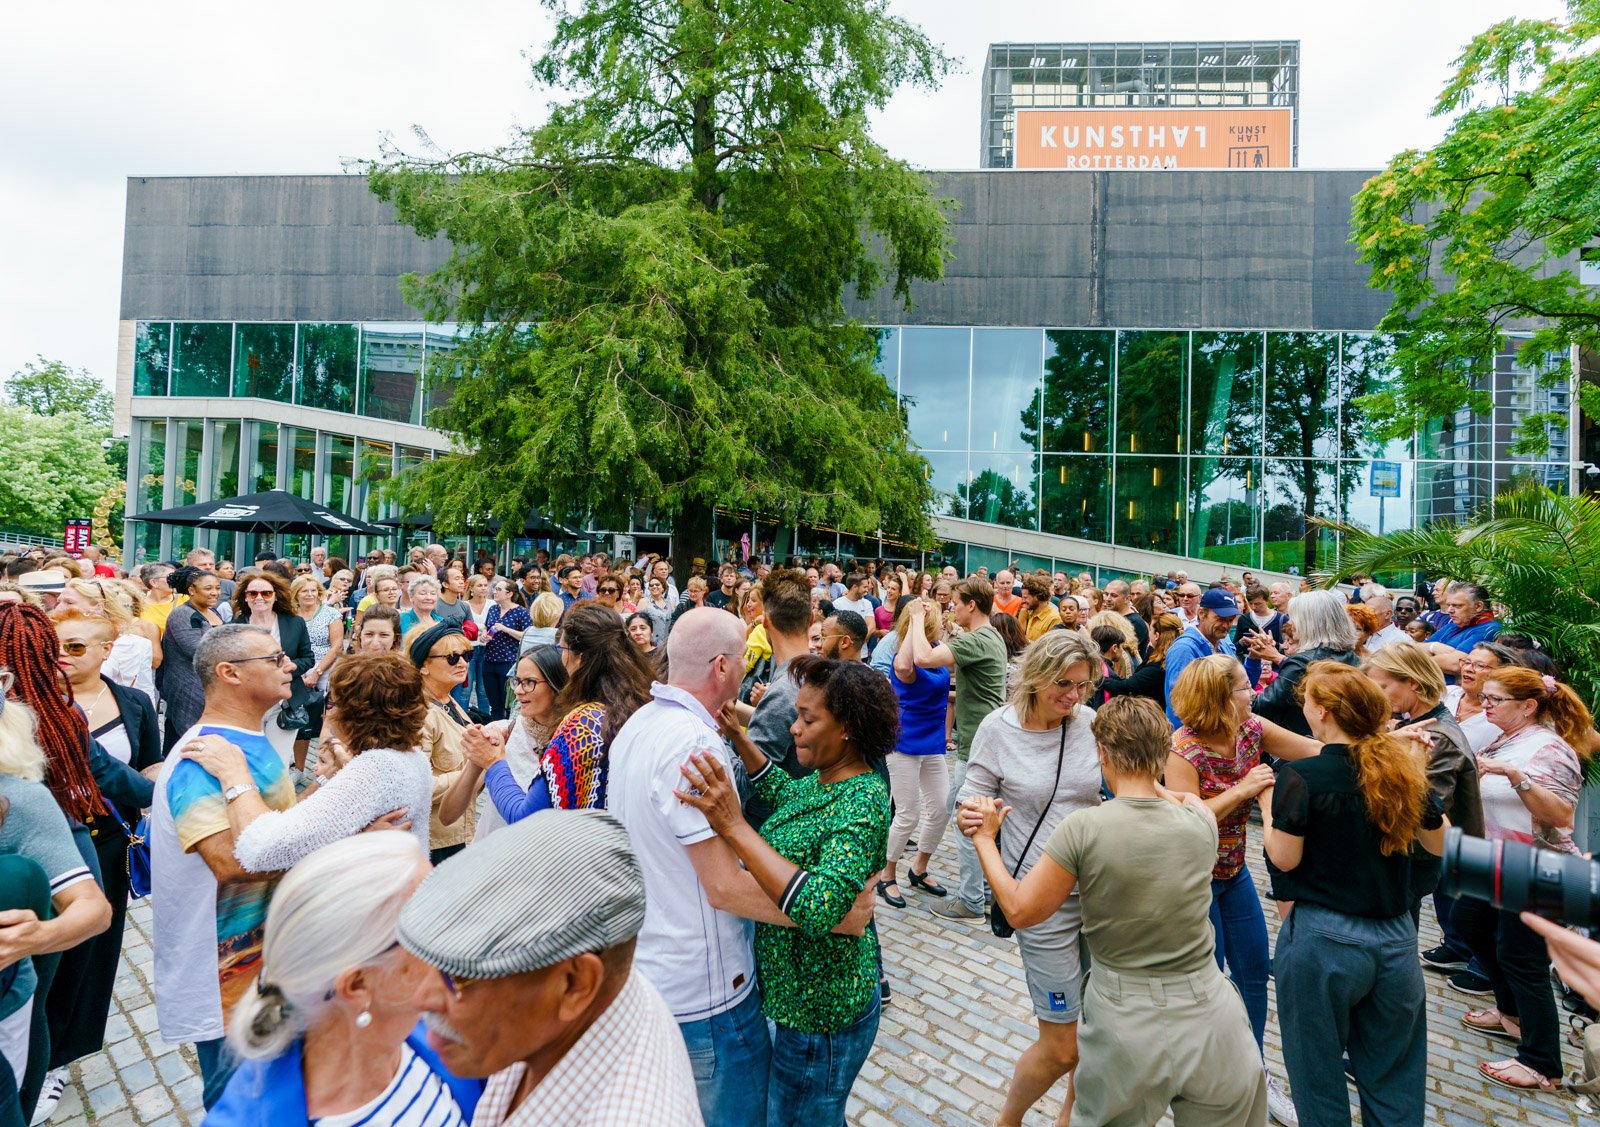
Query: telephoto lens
{"points": [[1519, 878]]}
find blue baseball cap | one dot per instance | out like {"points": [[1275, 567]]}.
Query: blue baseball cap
{"points": [[1219, 603]]}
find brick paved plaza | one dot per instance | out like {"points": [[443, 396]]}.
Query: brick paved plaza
{"points": [[943, 1056]]}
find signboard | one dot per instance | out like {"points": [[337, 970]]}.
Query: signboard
{"points": [[1135, 139], [1385, 479], [75, 537], [622, 547]]}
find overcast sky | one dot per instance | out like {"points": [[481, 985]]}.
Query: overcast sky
{"points": [[92, 93]]}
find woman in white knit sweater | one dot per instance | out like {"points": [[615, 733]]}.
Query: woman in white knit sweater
{"points": [[375, 708]]}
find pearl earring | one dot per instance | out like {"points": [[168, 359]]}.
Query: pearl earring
{"points": [[363, 1019]]}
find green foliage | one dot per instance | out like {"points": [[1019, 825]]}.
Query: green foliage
{"points": [[52, 467], [49, 387], [1537, 552], [1467, 235], [682, 234]]}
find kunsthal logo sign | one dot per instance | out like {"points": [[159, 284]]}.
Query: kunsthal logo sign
{"points": [[1144, 139]]}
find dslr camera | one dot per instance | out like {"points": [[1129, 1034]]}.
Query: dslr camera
{"points": [[1517, 877]]}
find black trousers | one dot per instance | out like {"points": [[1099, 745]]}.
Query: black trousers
{"points": [[78, 1002], [1518, 967]]}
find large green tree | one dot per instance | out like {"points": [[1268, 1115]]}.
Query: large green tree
{"points": [[653, 281], [49, 387], [1467, 235], [52, 467]]}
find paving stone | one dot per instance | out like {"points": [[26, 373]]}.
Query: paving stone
{"points": [[152, 1103], [139, 1076]]}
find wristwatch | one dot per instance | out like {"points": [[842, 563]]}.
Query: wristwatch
{"points": [[1524, 786], [234, 792]]}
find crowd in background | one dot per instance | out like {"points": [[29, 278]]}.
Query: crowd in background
{"points": [[638, 837]]}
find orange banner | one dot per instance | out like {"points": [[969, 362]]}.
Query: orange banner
{"points": [[1154, 138]]}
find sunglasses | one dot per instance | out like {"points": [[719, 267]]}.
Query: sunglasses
{"points": [[606, 590], [74, 649], [259, 595], [451, 658]]}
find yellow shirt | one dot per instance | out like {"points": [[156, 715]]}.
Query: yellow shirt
{"points": [[157, 613], [1035, 623]]}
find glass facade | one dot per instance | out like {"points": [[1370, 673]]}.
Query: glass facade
{"points": [[1213, 445], [1167, 75]]}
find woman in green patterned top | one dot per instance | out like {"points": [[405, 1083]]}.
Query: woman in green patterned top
{"points": [[826, 838]]}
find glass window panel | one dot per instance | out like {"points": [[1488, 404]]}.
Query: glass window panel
{"points": [[1077, 496], [1150, 503], [1003, 489], [1225, 394], [1006, 371], [952, 554], [1439, 494], [1368, 369], [1077, 390], [1376, 514], [391, 371], [1302, 419], [442, 368], [1517, 395], [377, 467], [225, 459], [887, 359], [327, 367], [1225, 510], [1515, 475], [263, 361], [201, 354], [302, 444], [947, 474], [153, 472], [341, 495], [263, 469], [991, 560], [152, 357], [934, 365], [188, 436], [1294, 489], [1151, 377]]}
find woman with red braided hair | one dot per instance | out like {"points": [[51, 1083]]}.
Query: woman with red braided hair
{"points": [[81, 777]]}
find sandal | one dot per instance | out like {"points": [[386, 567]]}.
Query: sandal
{"points": [[1489, 1022], [893, 899], [926, 883], [1516, 1075]]}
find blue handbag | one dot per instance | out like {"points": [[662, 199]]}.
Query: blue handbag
{"points": [[138, 852]]}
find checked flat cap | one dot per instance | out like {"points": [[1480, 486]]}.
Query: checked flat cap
{"points": [[556, 884]]}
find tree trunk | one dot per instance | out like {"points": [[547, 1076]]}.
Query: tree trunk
{"points": [[691, 537]]}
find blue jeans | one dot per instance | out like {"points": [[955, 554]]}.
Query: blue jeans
{"points": [[812, 1072], [217, 1066], [1350, 983], [969, 884], [1241, 932], [730, 1055], [477, 695]]}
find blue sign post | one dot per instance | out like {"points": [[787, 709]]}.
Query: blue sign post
{"points": [[1383, 484]]}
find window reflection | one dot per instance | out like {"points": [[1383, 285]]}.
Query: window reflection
{"points": [[443, 366], [934, 367], [152, 355], [263, 469], [263, 361], [1225, 394], [225, 454], [887, 358], [375, 468], [201, 352], [1368, 370], [1295, 490], [1077, 496], [391, 371], [1152, 372], [341, 473], [1149, 504], [302, 462], [327, 367], [1006, 370], [1302, 417], [1366, 500], [947, 474], [1225, 510], [1077, 390], [1002, 489]]}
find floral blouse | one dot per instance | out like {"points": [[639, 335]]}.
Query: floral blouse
{"points": [[1549, 761], [812, 980], [1218, 774]]}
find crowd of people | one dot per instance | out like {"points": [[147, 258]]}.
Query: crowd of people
{"points": [[430, 845]]}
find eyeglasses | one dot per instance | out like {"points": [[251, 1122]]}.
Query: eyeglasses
{"points": [[1472, 663], [1080, 686], [452, 659], [74, 649], [527, 682], [1495, 702], [302, 571], [277, 659], [1186, 598], [457, 986]]}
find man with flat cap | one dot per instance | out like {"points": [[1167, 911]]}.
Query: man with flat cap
{"points": [[531, 933]]}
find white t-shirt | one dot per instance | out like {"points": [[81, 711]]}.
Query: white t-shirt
{"points": [[1385, 637], [861, 606], [700, 959]]}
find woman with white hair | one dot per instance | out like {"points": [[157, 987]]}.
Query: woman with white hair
{"points": [[330, 1034], [422, 591], [1324, 632], [1037, 755]]}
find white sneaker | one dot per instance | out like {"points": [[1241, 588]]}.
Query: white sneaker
{"points": [[55, 1083], [1279, 1106]]}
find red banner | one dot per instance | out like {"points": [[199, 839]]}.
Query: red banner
{"points": [[76, 536]]}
